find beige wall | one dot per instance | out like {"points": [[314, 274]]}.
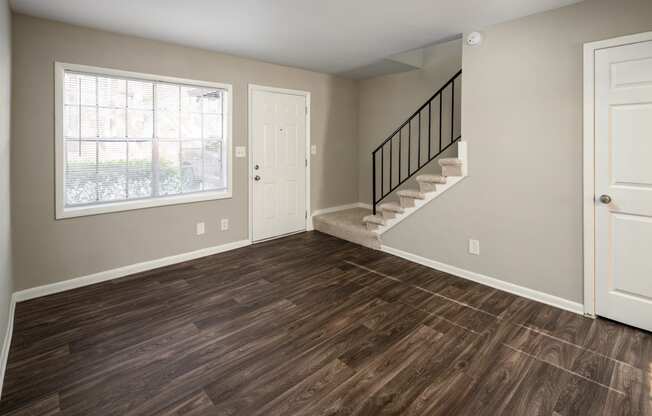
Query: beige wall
{"points": [[387, 101], [47, 251], [5, 208], [522, 118]]}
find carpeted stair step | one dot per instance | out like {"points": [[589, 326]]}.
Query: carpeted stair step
{"points": [[451, 166], [390, 210], [347, 225], [408, 197], [373, 221], [428, 183]]}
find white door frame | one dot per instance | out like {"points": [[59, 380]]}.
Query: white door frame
{"points": [[250, 169], [589, 158]]}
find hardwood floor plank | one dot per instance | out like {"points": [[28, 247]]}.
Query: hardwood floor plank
{"points": [[498, 382], [318, 384], [383, 338], [350, 397], [438, 361], [444, 397], [46, 406], [538, 392], [581, 397], [195, 404]]}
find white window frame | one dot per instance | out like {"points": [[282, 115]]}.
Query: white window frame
{"points": [[102, 208]]}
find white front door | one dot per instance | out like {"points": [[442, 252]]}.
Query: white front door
{"points": [[278, 123], [623, 183]]}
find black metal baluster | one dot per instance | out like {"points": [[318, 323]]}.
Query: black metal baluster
{"points": [[373, 170], [382, 172], [419, 151], [429, 129], [391, 162], [400, 146], [453, 111], [409, 146], [441, 118]]}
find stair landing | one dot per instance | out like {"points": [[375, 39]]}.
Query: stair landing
{"points": [[347, 225]]}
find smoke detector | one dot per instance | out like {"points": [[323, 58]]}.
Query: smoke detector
{"points": [[474, 39]]}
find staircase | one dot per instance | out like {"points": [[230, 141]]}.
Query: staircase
{"points": [[404, 178], [409, 201]]}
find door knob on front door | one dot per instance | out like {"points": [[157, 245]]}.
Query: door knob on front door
{"points": [[256, 178], [605, 199]]}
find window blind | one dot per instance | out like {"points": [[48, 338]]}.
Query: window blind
{"points": [[129, 139]]}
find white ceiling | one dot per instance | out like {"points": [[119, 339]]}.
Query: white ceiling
{"points": [[333, 36]]}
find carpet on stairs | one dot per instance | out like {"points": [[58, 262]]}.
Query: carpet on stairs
{"points": [[347, 225]]}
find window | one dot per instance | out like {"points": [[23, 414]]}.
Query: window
{"points": [[127, 141]]}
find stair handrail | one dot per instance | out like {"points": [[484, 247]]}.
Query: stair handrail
{"points": [[416, 115]]}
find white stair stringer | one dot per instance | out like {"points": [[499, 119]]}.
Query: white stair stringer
{"points": [[460, 168]]}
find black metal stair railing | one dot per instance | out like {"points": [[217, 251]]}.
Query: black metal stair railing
{"points": [[379, 193]]}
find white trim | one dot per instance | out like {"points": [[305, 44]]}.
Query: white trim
{"points": [[589, 162], [451, 181], [127, 205], [61, 212], [340, 208], [90, 279], [250, 170], [525, 292], [7, 341]]}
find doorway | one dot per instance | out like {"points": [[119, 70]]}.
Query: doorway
{"points": [[279, 163], [618, 179]]}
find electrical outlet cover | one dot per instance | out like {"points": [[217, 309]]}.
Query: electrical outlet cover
{"points": [[240, 151], [474, 247]]}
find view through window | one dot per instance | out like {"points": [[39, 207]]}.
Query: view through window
{"points": [[132, 139]]}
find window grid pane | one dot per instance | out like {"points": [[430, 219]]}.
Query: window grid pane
{"points": [[128, 139]]}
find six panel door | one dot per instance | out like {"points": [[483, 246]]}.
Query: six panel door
{"points": [[623, 180], [279, 161]]}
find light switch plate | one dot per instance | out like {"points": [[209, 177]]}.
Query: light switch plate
{"points": [[313, 149], [201, 228], [240, 151], [474, 247]]}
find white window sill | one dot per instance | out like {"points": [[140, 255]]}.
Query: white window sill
{"points": [[105, 208]]}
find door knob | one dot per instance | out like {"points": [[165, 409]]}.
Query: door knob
{"points": [[605, 199], [256, 178], [256, 167]]}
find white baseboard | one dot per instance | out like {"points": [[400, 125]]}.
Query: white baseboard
{"points": [[7, 341], [90, 279], [340, 208], [490, 281]]}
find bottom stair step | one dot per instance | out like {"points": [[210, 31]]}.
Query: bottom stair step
{"points": [[373, 222], [348, 225], [374, 219]]}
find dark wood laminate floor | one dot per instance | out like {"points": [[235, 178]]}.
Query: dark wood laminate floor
{"points": [[313, 325]]}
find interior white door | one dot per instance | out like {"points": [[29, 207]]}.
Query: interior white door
{"points": [[623, 183], [278, 123]]}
